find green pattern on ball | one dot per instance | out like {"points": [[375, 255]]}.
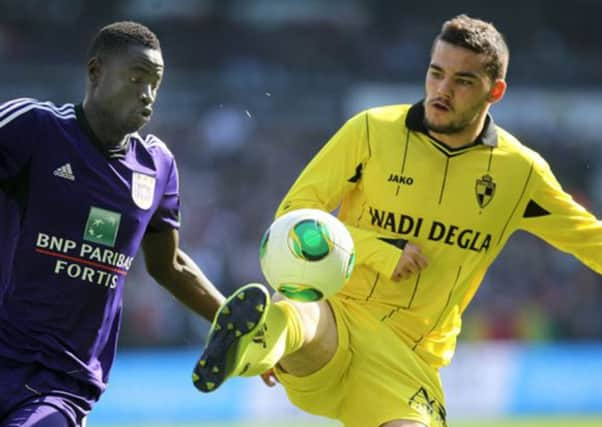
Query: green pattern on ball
{"points": [[264, 243], [350, 266], [300, 293], [311, 240]]}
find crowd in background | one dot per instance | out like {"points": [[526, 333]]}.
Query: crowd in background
{"points": [[253, 89]]}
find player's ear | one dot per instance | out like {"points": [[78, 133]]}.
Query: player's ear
{"points": [[94, 65], [497, 91]]}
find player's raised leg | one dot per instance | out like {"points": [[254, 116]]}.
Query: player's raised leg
{"points": [[250, 334], [320, 338]]}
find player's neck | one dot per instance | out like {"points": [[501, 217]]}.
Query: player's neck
{"points": [[104, 133], [466, 136]]}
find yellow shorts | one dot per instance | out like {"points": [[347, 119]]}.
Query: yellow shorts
{"points": [[373, 378]]}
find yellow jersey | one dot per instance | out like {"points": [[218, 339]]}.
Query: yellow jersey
{"points": [[393, 184]]}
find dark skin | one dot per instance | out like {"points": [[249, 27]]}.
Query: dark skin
{"points": [[120, 93], [178, 273]]}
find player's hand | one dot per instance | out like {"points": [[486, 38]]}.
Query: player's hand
{"points": [[269, 378], [412, 261]]}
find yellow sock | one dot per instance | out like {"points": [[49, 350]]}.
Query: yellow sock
{"points": [[294, 329], [281, 335]]}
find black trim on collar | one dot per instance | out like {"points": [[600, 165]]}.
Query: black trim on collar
{"points": [[415, 122], [113, 152]]}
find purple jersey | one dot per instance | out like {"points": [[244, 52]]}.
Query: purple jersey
{"points": [[82, 213]]}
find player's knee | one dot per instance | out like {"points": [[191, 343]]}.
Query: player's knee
{"points": [[321, 329]]}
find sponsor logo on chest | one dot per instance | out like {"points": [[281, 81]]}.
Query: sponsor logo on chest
{"points": [[435, 231]]}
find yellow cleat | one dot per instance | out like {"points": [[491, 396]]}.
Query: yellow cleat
{"points": [[232, 335]]}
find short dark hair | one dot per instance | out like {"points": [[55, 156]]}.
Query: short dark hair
{"points": [[119, 35], [480, 37]]}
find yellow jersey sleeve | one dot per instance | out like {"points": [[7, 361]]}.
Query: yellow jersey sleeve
{"points": [[555, 217], [373, 251], [333, 172]]}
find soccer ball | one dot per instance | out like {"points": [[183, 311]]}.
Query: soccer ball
{"points": [[307, 255]]}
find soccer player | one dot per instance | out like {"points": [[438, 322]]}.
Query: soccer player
{"points": [[430, 192], [87, 191]]}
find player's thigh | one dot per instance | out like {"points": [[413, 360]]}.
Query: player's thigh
{"points": [[403, 423], [45, 388], [387, 383], [36, 415]]}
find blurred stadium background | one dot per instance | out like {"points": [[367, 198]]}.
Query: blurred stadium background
{"points": [[252, 89]]}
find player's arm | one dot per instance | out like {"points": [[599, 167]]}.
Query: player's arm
{"points": [[179, 274], [396, 259], [167, 263], [555, 217], [335, 171]]}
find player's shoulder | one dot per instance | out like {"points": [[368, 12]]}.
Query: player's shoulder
{"points": [[30, 109], [156, 147], [387, 113], [511, 145]]}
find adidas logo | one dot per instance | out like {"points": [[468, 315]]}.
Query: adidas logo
{"points": [[64, 171]]}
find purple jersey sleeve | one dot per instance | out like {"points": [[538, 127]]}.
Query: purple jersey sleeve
{"points": [[167, 214], [17, 127], [18, 124]]}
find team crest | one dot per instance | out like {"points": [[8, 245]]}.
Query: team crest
{"points": [[484, 189], [143, 190]]}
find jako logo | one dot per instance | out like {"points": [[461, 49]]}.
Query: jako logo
{"points": [[400, 179]]}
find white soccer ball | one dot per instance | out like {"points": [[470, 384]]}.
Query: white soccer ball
{"points": [[307, 255]]}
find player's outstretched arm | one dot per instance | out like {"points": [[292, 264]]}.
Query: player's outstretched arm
{"points": [[555, 217], [179, 274]]}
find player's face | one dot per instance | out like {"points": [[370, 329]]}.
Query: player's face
{"points": [[127, 87], [458, 89]]}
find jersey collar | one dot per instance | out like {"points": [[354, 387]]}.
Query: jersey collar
{"points": [[111, 153], [415, 122]]}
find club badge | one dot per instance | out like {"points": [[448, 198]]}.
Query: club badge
{"points": [[484, 189]]}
